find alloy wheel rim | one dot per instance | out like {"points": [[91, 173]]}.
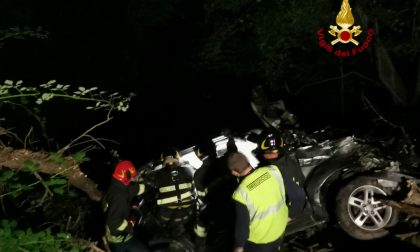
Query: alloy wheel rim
{"points": [[365, 211]]}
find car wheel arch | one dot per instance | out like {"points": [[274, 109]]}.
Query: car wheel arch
{"points": [[324, 188]]}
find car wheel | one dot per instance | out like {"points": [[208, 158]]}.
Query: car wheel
{"points": [[359, 212]]}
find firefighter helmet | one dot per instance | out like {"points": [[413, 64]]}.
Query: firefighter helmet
{"points": [[170, 156], [205, 148], [271, 142], [125, 171]]}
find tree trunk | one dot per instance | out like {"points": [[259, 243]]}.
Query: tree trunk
{"points": [[14, 160], [389, 75], [416, 97]]}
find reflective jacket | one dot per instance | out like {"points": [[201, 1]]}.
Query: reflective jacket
{"points": [[117, 207], [262, 192], [175, 186]]}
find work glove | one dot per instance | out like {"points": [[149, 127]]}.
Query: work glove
{"points": [[130, 227], [200, 238], [135, 212]]}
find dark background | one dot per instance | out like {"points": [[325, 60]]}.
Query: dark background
{"points": [[94, 43], [192, 65]]}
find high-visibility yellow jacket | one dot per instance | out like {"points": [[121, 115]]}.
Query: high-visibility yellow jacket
{"points": [[262, 192]]}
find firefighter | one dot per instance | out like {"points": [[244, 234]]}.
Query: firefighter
{"points": [[206, 152], [175, 194], [272, 151], [260, 202], [214, 187], [120, 220]]}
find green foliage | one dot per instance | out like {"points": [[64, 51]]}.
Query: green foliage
{"points": [[30, 166], [56, 158], [56, 181], [17, 184], [14, 239], [14, 184], [22, 33], [47, 91], [58, 185], [6, 175], [80, 156], [28, 189]]}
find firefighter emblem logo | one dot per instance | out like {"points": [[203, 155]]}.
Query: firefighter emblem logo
{"points": [[345, 33], [345, 20]]}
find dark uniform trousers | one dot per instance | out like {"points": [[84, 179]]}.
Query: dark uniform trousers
{"points": [[268, 247]]}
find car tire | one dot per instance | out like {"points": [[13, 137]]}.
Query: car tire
{"points": [[360, 214]]}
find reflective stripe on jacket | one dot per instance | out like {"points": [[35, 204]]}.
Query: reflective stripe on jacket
{"points": [[262, 192], [116, 238], [175, 187], [117, 204]]}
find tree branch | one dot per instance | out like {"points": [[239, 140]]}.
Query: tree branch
{"points": [[341, 76], [370, 105], [86, 133], [47, 189], [14, 160]]}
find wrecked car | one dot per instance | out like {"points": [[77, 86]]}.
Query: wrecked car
{"points": [[348, 180], [362, 184]]}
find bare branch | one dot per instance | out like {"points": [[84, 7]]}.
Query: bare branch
{"points": [[341, 76], [85, 134], [96, 140], [27, 137], [370, 105], [389, 75], [35, 116], [47, 189], [9, 133]]}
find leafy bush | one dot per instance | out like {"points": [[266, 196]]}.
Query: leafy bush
{"points": [[14, 239]]}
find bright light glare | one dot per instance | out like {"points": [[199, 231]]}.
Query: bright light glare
{"points": [[192, 159], [246, 147]]}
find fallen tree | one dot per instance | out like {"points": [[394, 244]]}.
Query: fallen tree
{"points": [[60, 162], [70, 169]]}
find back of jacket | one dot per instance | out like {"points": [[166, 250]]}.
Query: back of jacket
{"points": [[174, 185]]}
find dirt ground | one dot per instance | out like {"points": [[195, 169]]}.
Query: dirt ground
{"points": [[405, 238]]}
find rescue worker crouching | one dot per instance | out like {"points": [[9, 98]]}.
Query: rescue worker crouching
{"points": [[120, 221], [261, 209], [175, 194]]}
